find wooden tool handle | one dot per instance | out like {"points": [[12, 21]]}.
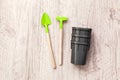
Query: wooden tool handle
{"points": [[51, 52], [60, 48]]}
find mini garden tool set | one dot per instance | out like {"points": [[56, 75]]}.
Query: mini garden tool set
{"points": [[80, 41]]}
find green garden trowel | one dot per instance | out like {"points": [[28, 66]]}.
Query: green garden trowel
{"points": [[46, 21]]}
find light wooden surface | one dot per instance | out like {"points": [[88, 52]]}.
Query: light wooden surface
{"points": [[23, 43]]}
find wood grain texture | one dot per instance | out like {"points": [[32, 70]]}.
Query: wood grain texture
{"points": [[24, 53]]}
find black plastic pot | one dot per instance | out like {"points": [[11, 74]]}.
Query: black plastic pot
{"points": [[80, 44]]}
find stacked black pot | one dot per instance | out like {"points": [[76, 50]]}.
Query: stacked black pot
{"points": [[80, 45]]}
